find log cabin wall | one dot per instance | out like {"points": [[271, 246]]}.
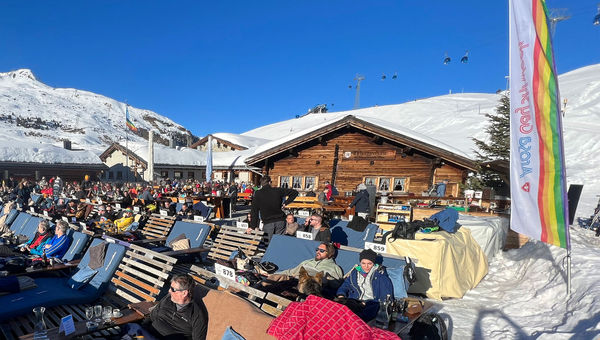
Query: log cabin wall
{"points": [[360, 155]]}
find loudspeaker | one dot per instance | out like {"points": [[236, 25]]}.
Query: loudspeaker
{"points": [[573, 198]]}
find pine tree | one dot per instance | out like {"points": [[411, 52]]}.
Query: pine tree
{"points": [[495, 147]]}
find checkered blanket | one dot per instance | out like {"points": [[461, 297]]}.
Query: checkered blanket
{"points": [[319, 318]]}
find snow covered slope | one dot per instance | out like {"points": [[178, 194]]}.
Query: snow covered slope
{"points": [[33, 112], [456, 118]]}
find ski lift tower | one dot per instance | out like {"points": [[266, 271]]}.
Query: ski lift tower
{"points": [[358, 79], [557, 15]]}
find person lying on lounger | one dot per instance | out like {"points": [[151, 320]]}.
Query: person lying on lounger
{"points": [[56, 246], [42, 235], [177, 315]]}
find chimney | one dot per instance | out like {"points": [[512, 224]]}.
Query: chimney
{"points": [[172, 143], [67, 144], [188, 140]]}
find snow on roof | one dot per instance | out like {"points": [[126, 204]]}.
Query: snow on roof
{"points": [[241, 140], [18, 150], [447, 122], [184, 156]]}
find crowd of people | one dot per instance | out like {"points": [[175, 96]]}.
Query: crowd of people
{"points": [[178, 314]]}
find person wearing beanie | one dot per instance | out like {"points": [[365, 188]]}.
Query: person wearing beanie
{"points": [[361, 201], [366, 285]]}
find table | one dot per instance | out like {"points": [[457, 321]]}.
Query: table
{"points": [[136, 312]]}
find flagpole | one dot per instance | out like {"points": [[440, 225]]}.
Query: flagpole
{"points": [[126, 145]]}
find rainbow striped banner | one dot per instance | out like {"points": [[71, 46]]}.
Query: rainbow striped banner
{"points": [[128, 122], [539, 206]]}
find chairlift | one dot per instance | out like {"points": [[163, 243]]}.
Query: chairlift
{"points": [[383, 76], [395, 76], [349, 86], [447, 59], [465, 58], [597, 19]]}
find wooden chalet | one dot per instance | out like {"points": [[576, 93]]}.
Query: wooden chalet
{"points": [[351, 150], [219, 144]]}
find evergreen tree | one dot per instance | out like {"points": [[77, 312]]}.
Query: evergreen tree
{"points": [[495, 147]]}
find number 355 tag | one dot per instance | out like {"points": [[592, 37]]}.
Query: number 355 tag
{"points": [[376, 247]]}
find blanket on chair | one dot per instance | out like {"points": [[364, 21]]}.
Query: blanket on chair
{"points": [[319, 318]]}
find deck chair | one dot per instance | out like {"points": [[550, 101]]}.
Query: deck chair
{"points": [[231, 238], [140, 276], [19, 222], [158, 226], [288, 252], [52, 292], [345, 236], [196, 233]]}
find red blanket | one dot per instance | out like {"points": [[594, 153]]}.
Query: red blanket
{"points": [[318, 318]]}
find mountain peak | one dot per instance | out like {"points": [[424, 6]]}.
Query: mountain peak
{"points": [[23, 73]]}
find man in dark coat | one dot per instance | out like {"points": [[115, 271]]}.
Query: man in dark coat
{"points": [[361, 201], [268, 201]]}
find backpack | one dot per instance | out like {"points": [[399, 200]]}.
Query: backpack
{"points": [[446, 219], [429, 326]]}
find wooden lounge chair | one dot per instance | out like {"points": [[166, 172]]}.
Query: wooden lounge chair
{"points": [[158, 226], [140, 276], [230, 239]]}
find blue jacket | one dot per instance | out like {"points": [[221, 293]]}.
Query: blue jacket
{"points": [[382, 287], [58, 247]]}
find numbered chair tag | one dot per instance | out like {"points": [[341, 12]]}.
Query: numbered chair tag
{"points": [[64, 218], [136, 209], [242, 225], [118, 206], [99, 200], [32, 209], [304, 235], [225, 272], [163, 213], [45, 213], [198, 218], [87, 200], [304, 213], [376, 247]]}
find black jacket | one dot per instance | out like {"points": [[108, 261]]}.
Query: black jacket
{"points": [[361, 201], [268, 202], [190, 322]]}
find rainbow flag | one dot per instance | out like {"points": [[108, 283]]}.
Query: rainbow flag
{"points": [[128, 121], [539, 206]]}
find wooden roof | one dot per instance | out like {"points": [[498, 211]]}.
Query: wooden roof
{"points": [[352, 121], [220, 140]]}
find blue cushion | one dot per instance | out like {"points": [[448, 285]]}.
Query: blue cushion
{"points": [[195, 232], [78, 243], [230, 334], [11, 217], [19, 222], [399, 282], [350, 237], [81, 278], [287, 252], [31, 226], [49, 292]]}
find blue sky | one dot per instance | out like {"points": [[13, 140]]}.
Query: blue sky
{"points": [[231, 66]]}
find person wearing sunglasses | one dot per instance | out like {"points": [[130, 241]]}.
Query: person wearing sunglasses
{"points": [[177, 315], [319, 230], [322, 262]]}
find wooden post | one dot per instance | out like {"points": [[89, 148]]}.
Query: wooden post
{"points": [[335, 163]]}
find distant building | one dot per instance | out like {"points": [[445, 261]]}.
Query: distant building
{"points": [[33, 161]]}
